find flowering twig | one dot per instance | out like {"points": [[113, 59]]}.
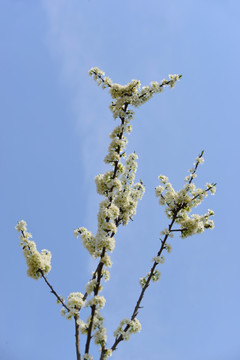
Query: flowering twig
{"points": [[98, 272], [178, 204], [137, 307], [93, 307]]}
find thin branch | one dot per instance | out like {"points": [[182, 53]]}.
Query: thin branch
{"points": [[53, 291], [160, 85], [67, 308], [178, 229], [137, 307], [204, 191], [196, 166], [77, 337], [98, 272], [93, 308]]}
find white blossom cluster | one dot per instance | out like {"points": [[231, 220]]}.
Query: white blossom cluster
{"points": [[156, 275], [99, 331], [98, 301], [107, 353], [132, 93], [87, 357], [121, 199], [179, 203], [178, 206], [159, 259], [75, 302], [126, 328], [35, 260], [117, 185]]}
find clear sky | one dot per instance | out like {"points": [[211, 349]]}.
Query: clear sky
{"points": [[55, 123]]}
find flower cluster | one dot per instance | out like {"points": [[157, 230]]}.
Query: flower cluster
{"points": [[180, 203], [126, 328], [97, 301], [75, 302], [159, 259], [117, 185], [38, 263], [99, 331], [155, 276], [87, 357], [178, 206], [132, 93], [121, 199]]}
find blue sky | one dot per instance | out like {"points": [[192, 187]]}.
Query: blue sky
{"points": [[55, 123]]}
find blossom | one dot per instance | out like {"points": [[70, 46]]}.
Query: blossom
{"points": [[131, 327], [168, 247], [132, 93], [90, 286], [98, 301], [21, 226], [100, 336], [38, 262], [74, 303], [87, 357], [159, 259]]}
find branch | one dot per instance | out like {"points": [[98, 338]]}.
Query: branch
{"points": [[93, 308], [137, 307], [196, 166], [77, 338], [98, 272], [53, 291], [67, 308]]}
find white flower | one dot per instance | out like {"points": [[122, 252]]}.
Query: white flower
{"points": [[98, 301], [21, 226], [200, 160], [37, 263], [168, 247], [159, 259], [134, 326], [156, 275], [75, 302], [87, 357], [76, 233]]}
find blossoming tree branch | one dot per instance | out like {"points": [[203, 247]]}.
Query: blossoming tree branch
{"points": [[121, 195]]}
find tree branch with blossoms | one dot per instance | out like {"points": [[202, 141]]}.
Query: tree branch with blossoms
{"points": [[121, 195], [182, 203]]}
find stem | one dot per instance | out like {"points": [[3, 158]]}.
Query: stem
{"points": [[137, 307], [196, 166], [53, 291], [160, 85], [98, 271], [178, 230], [75, 317], [93, 308], [102, 353], [204, 191], [77, 338]]}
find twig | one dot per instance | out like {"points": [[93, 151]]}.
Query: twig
{"points": [[137, 307], [98, 271], [77, 338], [53, 291]]}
